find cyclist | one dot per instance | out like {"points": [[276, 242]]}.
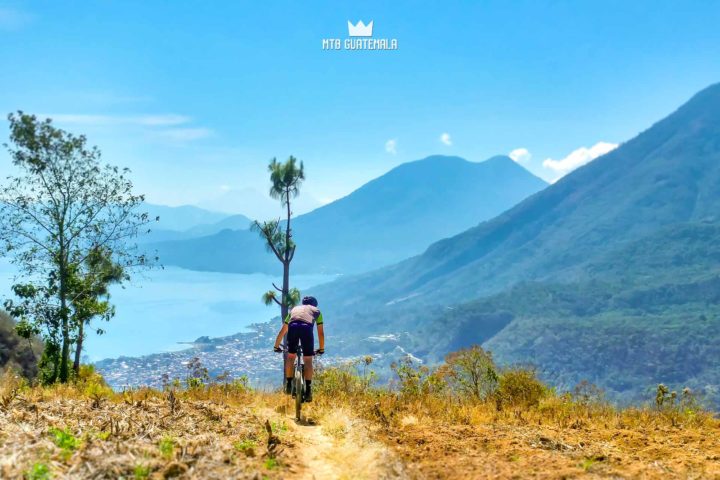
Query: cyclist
{"points": [[299, 328]]}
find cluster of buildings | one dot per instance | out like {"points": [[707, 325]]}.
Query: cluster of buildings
{"points": [[242, 355]]}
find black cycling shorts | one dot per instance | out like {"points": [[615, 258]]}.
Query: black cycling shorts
{"points": [[301, 332]]}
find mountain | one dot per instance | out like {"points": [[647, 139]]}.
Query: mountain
{"points": [[257, 205], [667, 175], [649, 313], [181, 218], [610, 275], [233, 222], [187, 221], [390, 218]]}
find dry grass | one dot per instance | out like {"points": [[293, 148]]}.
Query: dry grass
{"points": [[71, 432], [442, 436], [353, 431]]}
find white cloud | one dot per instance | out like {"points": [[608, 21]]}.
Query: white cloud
{"points": [[578, 157], [445, 138], [391, 146], [143, 120], [520, 155], [169, 126], [185, 134], [161, 120]]}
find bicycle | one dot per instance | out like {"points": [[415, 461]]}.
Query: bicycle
{"points": [[298, 382]]}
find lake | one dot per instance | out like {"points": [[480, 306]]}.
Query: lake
{"points": [[163, 307]]}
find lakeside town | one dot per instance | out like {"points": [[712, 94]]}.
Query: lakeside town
{"points": [[243, 355]]}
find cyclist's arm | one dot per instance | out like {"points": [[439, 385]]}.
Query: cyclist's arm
{"points": [[280, 336], [321, 332]]}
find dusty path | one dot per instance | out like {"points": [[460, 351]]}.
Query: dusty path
{"points": [[336, 445]]}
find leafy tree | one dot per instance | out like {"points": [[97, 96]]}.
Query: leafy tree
{"points": [[63, 207], [90, 293], [286, 180], [472, 372]]}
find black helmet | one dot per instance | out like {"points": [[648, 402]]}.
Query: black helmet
{"points": [[309, 301]]}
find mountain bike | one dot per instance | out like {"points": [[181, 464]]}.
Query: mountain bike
{"points": [[298, 382]]}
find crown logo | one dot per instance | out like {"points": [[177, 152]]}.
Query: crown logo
{"points": [[360, 30]]}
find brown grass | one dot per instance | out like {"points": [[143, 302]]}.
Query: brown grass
{"points": [[353, 431], [441, 435], [213, 433]]}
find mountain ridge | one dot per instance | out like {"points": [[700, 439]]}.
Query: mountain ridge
{"points": [[618, 261], [617, 197], [389, 218]]}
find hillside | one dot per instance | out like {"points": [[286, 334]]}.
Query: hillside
{"points": [[183, 217], [390, 218], [187, 221], [608, 275], [667, 175], [17, 352], [430, 426], [657, 321]]}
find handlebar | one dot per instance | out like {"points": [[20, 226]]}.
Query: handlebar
{"points": [[319, 351]]}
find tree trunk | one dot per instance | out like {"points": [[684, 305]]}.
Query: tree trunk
{"points": [[286, 262], [65, 353], [284, 310], [78, 347]]}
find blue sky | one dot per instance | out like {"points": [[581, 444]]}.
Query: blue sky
{"points": [[195, 97]]}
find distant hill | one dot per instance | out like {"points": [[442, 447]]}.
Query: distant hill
{"points": [[187, 221], [667, 175], [610, 275], [649, 314], [256, 204], [183, 217], [390, 218]]}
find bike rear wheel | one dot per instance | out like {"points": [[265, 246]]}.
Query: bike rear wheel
{"points": [[298, 384]]}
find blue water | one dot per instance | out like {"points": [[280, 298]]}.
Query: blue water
{"points": [[163, 307]]}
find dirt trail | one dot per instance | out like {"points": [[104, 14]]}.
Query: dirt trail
{"points": [[338, 445]]}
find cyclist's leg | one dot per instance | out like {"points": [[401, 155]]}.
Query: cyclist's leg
{"points": [[308, 367], [293, 338], [289, 365], [307, 339]]}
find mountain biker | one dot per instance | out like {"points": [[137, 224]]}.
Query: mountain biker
{"points": [[299, 328]]}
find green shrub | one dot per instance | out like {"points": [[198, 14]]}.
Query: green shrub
{"points": [[416, 381], [349, 379], [519, 388], [141, 472], [246, 446], [471, 372], [39, 471], [66, 441], [167, 447]]}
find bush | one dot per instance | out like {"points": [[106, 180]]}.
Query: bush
{"points": [[519, 388], [11, 384], [471, 372], [587, 394], [39, 471], [349, 379], [415, 381]]}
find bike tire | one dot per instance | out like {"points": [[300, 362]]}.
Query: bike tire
{"points": [[298, 395]]}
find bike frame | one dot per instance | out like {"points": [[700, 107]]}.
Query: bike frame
{"points": [[299, 382]]}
